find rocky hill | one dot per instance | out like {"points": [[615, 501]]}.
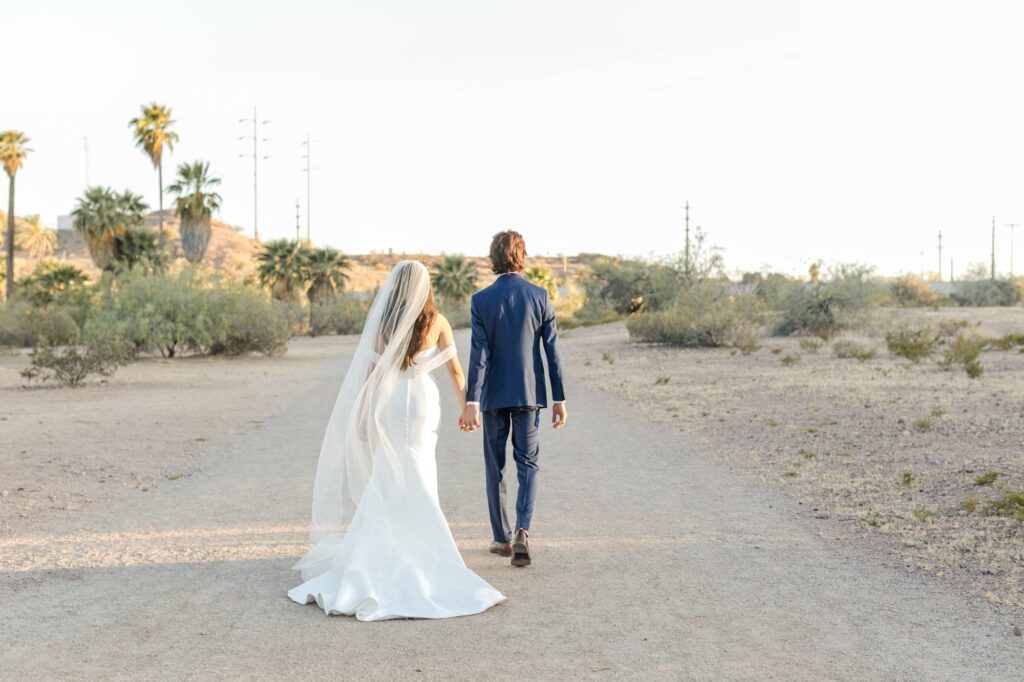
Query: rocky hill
{"points": [[233, 254]]}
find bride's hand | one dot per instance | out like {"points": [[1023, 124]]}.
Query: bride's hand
{"points": [[470, 419]]}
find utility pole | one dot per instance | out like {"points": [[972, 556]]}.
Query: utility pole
{"points": [[993, 247], [309, 175], [940, 255], [951, 277], [256, 139], [298, 221], [686, 254]]}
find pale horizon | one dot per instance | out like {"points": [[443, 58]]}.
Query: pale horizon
{"points": [[840, 132]]}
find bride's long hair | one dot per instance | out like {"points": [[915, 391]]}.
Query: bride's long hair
{"points": [[395, 305]]}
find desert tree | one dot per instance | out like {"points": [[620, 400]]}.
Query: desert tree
{"points": [[327, 272], [454, 278], [12, 155], [153, 135], [195, 205]]}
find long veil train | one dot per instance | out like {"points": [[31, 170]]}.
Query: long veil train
{"points": [[380, 546]]}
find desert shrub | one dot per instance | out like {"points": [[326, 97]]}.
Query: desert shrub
{"points": [[23, 325], [1010, 503], [987, 478], [914, 342], [594, 312], [811, 344], [847, 348], [703, 316], [628, 286], [910, 292], [789, 359], [160, 314], [105, 349], [244, 321], [823, 308], [1006, 342], [987, 292], [774, 289], [964, 352], [173, 314], [337, 315], [951, 326]]}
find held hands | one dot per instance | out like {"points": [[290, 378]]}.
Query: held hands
{"points": [[469, 421], [558, 415]]}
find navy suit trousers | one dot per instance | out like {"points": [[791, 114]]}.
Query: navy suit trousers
{"points": [[523, 423]]}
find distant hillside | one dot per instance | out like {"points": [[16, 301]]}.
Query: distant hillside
{"points": [[233, 254]]}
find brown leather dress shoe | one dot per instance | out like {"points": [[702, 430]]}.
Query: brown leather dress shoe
{"points": [[501, 548], [521, 549]]}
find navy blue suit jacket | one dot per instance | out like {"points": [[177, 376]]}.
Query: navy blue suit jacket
{"points": [[512, 321]]}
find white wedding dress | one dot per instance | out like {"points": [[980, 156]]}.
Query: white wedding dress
{"points": [[397, 557]]}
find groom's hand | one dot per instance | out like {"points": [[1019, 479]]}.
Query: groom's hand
{"points": [[558, 415], [470, 419]]}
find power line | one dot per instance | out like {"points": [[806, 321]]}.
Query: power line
{"points": [[255, 155]]}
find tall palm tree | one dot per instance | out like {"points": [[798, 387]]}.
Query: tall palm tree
{"points": [[195, 206], [104, 216], [454, 278], [282, 266], [326, 270], [153, 134], [12, 154], [33, 238]]}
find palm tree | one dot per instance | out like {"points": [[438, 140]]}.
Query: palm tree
{"points": [[139, 247], [153, 133], [36, 240], [282, 266], [195, 206], [104, 217], [454, 278], [326, 270], [12, 154], [50, 279]]}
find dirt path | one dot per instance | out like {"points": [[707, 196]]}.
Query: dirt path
{"points": [[651, 561]]}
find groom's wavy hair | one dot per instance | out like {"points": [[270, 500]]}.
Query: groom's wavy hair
{"points": [[508, 252]]}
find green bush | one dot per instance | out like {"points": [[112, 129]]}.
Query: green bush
{"points": [[775, 289], [628, 286], [823, 308], [337, 315], [160, 314], [172, 314], [910, 341], [964, 352], [104, 351], [703, 316], [23, 325], [244, 321], [987, 292]]}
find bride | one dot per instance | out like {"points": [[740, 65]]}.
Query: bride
{"points": [[377, 474]]}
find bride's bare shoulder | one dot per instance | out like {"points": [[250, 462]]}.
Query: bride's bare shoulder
{"points": [[442, 328]]}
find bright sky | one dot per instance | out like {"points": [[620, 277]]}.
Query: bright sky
{"points": [[797, 130]]}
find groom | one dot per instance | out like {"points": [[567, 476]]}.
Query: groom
{"points": [[512, 321]]}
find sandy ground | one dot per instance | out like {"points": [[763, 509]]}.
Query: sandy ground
{"points": [[887, 451], [158, 515]]}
